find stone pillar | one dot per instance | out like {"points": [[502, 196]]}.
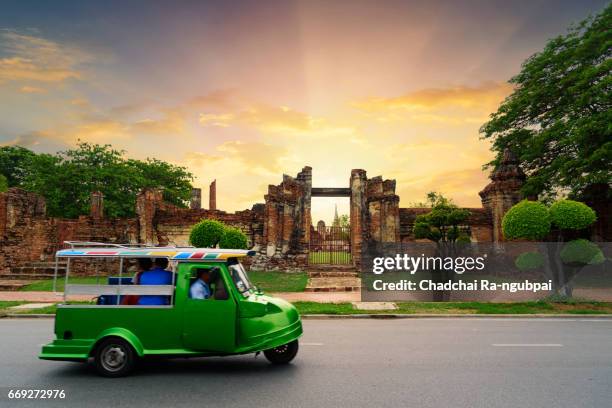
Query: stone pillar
{"points": [[304, 208], [196, 199], [147, 202], [212, 196], [96, 208], [287, 220], [358, 210], [503, 191], [390, 213], [383, 210]]}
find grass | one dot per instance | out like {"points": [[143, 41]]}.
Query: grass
{"points": [[4, 305], [279, 281], [328, 257], [306, 308], [47, 284], [268, 281], [463, 308]]}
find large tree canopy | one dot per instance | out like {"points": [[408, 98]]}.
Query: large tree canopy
{"points": [[67, 179], [557, 120]]}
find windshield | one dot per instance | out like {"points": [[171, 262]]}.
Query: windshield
{"points": [[240, 278]]}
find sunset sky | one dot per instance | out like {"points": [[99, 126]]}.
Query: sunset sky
{"points": [[246, 91]]}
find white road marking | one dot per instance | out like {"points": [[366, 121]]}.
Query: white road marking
{"points": [[527, 345], [311, 344]]}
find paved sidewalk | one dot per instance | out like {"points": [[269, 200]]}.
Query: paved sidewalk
{"points": [[320, 297]]}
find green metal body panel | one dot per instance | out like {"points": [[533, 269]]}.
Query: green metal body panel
{"points": [[188, 328]]}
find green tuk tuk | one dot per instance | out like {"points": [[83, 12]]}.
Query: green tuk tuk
{"points": [[237, 318]]}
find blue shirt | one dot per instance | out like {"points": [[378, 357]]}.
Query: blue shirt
{"points": [[155, 276], [199, 290]]}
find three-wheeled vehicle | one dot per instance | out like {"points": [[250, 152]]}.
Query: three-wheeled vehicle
{"points": [[237, 318]]}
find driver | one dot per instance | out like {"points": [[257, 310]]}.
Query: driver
{"points": [[200, 289]]}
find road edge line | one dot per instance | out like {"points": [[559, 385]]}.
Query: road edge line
{"points": [[390, 316]]}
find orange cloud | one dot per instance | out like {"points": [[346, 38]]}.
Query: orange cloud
{"points": [[443, 106], [172, 123], [255, 155], [462, 96], [31, 89], [462, 185], [199, 159], [263, 117], [37, 59]]}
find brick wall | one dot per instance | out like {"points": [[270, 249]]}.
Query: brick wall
{"points": [[479, 223]]}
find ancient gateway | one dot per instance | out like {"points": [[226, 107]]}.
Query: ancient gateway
{"points": [[280, 229]]}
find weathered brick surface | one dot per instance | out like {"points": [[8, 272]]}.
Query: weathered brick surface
{"points": [[279, 230], [374, 211], [287, 221], [212, 196], [27, 235], [503, 191]]}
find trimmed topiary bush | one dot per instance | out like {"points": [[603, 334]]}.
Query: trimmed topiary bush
{"points": [[569, 214], [233, 238], [526, 220], [581, 252], [529, 260], [206, 234]]}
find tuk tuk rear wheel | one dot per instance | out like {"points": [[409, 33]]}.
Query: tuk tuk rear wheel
{"points": [[114, 357], [282, 354]]}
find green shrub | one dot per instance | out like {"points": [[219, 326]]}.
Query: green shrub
{"points": [[526, 220], [569, 214], [581, 252], [529, 260], [233, 238], [206, 234], [463, 239], [3, 183]]}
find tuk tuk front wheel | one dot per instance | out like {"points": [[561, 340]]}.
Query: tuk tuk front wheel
{"points": [[114, 357], [282, 354]]}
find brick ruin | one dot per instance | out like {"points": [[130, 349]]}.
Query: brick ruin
{"points": [[278, 229]]}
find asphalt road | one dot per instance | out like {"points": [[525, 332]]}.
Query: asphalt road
{"points": [[349, 363]]}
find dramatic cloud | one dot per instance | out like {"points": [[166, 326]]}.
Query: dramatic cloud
{"points": [[453, 106], [462, 96], [29, 58], [263, 117]]}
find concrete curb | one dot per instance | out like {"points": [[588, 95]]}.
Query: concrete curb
{"points": [[454, 316], [391, 316]]}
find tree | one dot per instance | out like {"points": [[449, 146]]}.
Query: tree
{"points": [[233, 238], [67, 179], [344, 221], [174, 180], [557, 119], [206, 234], [14, 164], [564, 257], [433, 198], [441, 225]]}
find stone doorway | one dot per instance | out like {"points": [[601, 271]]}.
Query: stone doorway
{"points": [[287, 221], [330, 245]]}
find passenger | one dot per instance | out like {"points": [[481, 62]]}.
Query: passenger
{"points": [[161, 263], [156, 276], [200, 289], [143, 264]]}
